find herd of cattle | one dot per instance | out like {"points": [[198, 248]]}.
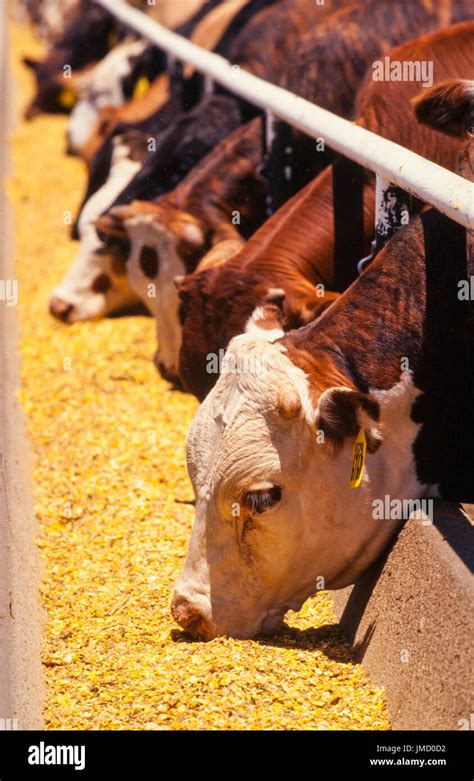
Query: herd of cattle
{"points": [[243, 278]]}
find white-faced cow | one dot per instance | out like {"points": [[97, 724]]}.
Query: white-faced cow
{"points": [[96, 283], [109, 84], [271, 450], [223, 198]]}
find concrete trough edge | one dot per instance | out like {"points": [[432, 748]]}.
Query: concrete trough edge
{"points": [[411, 621], [21, 615]]}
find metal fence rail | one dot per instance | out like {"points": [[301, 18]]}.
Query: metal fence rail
{"points": [[449, 193]]}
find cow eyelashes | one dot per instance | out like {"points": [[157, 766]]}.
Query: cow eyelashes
{"points": [[262, 500]]}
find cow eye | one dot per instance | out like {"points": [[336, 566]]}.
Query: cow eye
{"points": [[262, 499]]}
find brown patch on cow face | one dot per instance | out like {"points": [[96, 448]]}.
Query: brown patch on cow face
{"points": [[149, 261], [101, 283]]}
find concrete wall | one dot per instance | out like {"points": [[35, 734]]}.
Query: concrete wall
{"points": [[21, 675], [411, 621]]}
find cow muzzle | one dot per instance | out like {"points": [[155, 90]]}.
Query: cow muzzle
{"points": [[192, 619], [61, 309]]}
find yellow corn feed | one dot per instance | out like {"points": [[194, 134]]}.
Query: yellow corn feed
{"points": [[112, 500]]}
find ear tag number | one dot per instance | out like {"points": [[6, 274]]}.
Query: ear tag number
{"points": [[358, 459]]}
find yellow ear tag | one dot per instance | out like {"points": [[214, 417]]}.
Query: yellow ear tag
{"points": [[67, 97], [358, 459], [141, 87]]}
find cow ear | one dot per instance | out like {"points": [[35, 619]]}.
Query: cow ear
{"points": [[342, 412], [189, 232], [304, 308], [275, 296], [266, 323], [110, 225], [447, 107], [31, 63], [219, 253]]}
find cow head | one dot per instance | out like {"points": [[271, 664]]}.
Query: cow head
{"points": [[94, 287], [269, 455], [97, 283], [216, 303], [165, 242], [54, 93], [108, 84], [88, 38]]}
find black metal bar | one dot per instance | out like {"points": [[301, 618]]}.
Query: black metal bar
{"points": [[348, 210], [278, 145], [444, 446]]}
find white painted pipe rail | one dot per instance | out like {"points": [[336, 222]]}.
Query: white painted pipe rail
{"points": [[449, 193]]}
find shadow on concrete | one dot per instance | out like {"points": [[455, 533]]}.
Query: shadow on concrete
{"points": [[456, 529]]}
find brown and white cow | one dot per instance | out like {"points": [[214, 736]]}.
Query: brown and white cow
{"points": [[109, 84], [86, 39], [270, 451], [294, 249], [222, 199], [228, 305], [51, 16], [96, 283]]}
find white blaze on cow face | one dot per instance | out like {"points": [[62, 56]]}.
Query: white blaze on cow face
{"points": [[80, 296], [154, 263], [100, 87], [274, 510]]}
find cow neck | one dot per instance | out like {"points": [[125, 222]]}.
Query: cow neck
{"points": [[209, 191], [375, 324], [297, 242]]}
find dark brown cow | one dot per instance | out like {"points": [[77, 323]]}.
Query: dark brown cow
{"points": [[79, 296], [205, 29], [326, 62], [294, 250]]}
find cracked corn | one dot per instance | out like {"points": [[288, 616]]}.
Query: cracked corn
{"points": [[113, 503]]}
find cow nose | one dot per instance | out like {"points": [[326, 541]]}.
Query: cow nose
{"points": [[60, 308], [191, 619]]}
